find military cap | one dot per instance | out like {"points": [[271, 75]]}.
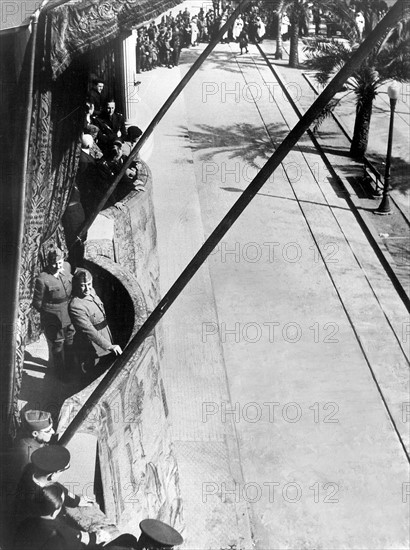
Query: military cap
{"points": [[38, 420], [82, 275], [54, 254], [157, 534], [51, 458]]}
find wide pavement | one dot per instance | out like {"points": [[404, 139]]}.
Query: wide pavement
{"points": [[286, 357]]}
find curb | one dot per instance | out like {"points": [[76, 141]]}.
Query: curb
{"points": [[375, 242]]}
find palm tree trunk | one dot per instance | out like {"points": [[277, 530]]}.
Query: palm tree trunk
{"points": [[279, 42], [294, 41], [361, 128]]}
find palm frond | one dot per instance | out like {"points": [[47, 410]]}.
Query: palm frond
{"points": [[325, 114], [326, 58]]}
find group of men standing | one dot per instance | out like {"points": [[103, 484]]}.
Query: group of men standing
{"points": [[73, 318]]}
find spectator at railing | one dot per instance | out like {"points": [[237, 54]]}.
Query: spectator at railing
{"points": [[111, 125], [133, 135], [93, 177], [115, 161], [93, 340]]}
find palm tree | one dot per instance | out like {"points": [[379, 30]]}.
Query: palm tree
{"points": [[298, 12], [390, 60], [278, 7]]}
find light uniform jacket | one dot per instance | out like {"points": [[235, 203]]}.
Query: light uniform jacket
{"points": [[22, 451], [93, 336], [51, 296]]}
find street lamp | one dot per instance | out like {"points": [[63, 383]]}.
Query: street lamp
{"points": [[384, 207]]}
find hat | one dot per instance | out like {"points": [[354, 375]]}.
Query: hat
{"points": [[54, 254], [158, 534], [51, 458], [134, 132], [82, 275], [38, 420]]}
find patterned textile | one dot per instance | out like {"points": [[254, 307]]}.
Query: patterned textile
{"points": [[78, 26], [52, 164], [124, 252]]}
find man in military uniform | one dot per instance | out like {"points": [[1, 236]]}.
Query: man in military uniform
{"points": [[37, 432], [93, 338], [51, 295]]}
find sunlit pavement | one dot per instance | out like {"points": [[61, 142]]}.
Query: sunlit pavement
{"points": [[286, 357]]}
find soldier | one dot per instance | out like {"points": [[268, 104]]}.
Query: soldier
{"points": [[93, 338], [37, 432], [51, 295], [157, 534]]}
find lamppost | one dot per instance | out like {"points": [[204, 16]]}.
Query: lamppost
{"points": [[384, 207]]}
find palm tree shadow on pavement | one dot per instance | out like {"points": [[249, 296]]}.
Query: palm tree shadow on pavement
{"points": [[251, 144]]}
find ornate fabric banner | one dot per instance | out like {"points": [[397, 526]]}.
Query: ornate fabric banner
{"points": [[78, 26], [52, 164]]}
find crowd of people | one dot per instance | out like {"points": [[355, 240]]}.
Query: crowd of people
{"points": [[105, 147], [159, 45]]}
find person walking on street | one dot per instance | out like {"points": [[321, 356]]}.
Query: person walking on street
{"points": [[243, 41]]}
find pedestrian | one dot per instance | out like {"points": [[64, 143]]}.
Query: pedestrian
{"points": [[37, 430], [360, 23], [176, 46], [194, 32], [260, 30], [237, 28], [243, 41], [93, 340], [139, 52], [52, 292]]}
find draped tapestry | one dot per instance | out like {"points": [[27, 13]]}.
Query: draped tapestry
{"points": [[78, 26], [64, 33], [52, 164]]}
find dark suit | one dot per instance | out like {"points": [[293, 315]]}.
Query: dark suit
{"points": [[38, 533], [28, 495], [93, 179], [98, 100], [109, 127]]}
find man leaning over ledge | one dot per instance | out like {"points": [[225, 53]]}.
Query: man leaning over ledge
{"points": [[93, 339]]}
